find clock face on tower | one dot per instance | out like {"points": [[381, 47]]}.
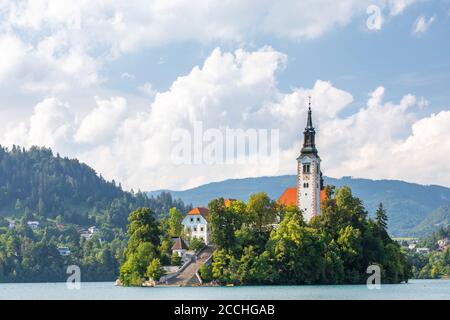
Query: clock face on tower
{"points": [[306, 176]]}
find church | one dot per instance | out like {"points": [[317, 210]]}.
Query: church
{"points": [[309, 191]]}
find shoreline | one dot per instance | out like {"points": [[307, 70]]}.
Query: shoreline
{"points": [[222, 286]]}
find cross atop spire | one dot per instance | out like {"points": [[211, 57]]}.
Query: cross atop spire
{"points": [[309, 122]]}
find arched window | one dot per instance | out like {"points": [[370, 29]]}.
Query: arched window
{"points": [[306, 168]]}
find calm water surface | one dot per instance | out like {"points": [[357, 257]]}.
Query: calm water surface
{"points": [[415, 289]]}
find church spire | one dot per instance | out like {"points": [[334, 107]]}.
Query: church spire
{"points": [[309, 123], [309, 144]]}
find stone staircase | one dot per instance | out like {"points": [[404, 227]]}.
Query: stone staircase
{"points": [[188, 276]]}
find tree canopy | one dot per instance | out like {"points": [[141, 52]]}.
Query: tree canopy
{"points": [[335, 247]]}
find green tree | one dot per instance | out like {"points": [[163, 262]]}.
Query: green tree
{"points": [[262, 211], [205, 272], [298, 251], [18, 206], [224, 267], [154, 270], [142, 249], [350, 246], [196, 244], [334, 266], [174, 222], [222, 221], [142, 228], [381, 220], [175, 259]]}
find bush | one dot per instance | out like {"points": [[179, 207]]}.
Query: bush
{"points": [[196, 244], [154, 270], [205, 272], [175, 259]]}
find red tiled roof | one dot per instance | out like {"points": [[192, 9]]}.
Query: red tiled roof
{"points": [[289, 197], [323, 195], [229, 201], [199, 211], [179, 245]]}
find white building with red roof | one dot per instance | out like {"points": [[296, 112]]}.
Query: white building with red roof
{"points": [[195, 224]]}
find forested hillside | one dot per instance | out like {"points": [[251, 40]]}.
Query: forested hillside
{"points": [[436, 263], [437, 218], [35, 182], [65, 197]]}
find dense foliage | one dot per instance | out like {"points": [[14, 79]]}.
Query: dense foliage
{"points": [[432, 265], [32, 255], [432, 240], [435, 264], [36, 182], [263, 243], [144, 250], [65, 197]]}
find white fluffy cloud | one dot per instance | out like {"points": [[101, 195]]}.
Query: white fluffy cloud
{"points": [[424, 154], [51, 125], [422, 24], [396, 7], [51, 65], [101, 123], [126, 26], [52, 47], [13, 51], [239, 90]]}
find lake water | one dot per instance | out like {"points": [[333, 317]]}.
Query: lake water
{"points": [[415, 289]]}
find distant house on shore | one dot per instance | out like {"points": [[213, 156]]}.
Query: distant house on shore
{"points": [[196, 224], [180, 247], [33, 224], [89, 233], [443, 244], [11, 224], [85, 234], [93, 230], [423, 250], [64, 251]]}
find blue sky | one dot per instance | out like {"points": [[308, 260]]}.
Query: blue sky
{"points": [[351, 57], [118, 79]]}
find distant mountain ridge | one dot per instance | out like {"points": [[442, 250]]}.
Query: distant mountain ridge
{"points": [[408, 204]]}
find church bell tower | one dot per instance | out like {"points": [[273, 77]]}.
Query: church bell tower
{"points": [[309, 176]]}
